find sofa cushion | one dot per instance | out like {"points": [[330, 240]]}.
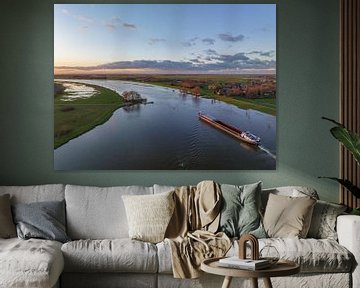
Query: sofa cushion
{"points": [[7, 226], [30, 263], [98, 213], [164, 257], [43, 220], [117, 255], [287, 216], [313, 255], [323, 222], [240, 210], [36, 193], [149, 215]]}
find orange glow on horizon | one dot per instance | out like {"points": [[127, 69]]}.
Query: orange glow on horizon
{"points": [[69, 71], [76, 63]]}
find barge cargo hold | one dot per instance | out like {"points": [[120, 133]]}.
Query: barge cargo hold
{"points": [[245, 136]]}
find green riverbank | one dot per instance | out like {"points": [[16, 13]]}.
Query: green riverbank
{"points": [[265, 105], [75, 117]]}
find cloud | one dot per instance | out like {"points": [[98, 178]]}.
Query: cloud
{"points": [[110, 27], [116, 23], [115, 19], [230, 38], [65, 11], [196, 61], [154, 41], [78, 17], [211, 52], [208, 41], [233, 58], [190, 42], [212, 63], [270, 54], [187, 44], [144, 64], [129, 26], [84, 28]]}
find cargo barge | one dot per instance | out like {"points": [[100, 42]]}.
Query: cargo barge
{"points": [[244, 136]]}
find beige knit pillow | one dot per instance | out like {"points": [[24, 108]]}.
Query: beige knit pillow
{"points": [[149, 215], [288, 217], [7, 226]]}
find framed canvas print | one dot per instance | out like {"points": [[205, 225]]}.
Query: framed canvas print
{"points": [[165, 86]]}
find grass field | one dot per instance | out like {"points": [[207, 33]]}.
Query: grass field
{"points": [[265, 105], [73, 118]]}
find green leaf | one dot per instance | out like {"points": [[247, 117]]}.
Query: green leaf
{"points": [[332, 120], [355, 211], [347, 184], [349, 139]]}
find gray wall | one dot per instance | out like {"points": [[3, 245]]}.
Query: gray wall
{"points": [[307, 89]]}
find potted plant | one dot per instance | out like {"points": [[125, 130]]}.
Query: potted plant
{"points": [[351, 141]]}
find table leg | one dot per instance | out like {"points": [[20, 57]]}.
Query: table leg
{"points": [[254, 282], [227, 282], [267, 283]]}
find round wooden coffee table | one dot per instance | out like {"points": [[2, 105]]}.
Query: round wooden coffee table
{"points": [[281, 268]]}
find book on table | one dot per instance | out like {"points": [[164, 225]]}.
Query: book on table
{"points": [[236, 262]]}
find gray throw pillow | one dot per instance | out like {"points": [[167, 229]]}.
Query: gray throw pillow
{"points": [[323, 222], [240, 213], [7, 227], [44, 220]]}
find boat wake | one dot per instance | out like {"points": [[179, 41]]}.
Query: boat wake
{"points": [[267, 151]]}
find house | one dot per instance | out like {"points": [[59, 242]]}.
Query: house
{"points": [[132, 96]]}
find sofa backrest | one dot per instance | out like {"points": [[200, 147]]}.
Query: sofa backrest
{"points": [[163, 188], [36, 193], [98, 212]]}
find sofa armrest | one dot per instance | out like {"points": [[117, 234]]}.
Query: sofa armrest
{"points": [[348, 230]]}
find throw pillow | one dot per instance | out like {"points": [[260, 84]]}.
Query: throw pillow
{"points": [[323, 222], [288, 217], [240, 213], [43, 220], [149, 215], [7, 227]]}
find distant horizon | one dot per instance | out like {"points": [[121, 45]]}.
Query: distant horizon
{"points": [[71, 71], [163, 74], [164, 39]]}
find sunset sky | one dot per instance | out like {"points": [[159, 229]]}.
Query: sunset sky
{"points": [[171, 38]]}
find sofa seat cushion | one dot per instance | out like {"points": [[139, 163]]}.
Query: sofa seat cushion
{"points": [[115, 255], [313, 255], [30, 263]]}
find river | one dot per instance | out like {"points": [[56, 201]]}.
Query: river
{"points": [[167, 135]]}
